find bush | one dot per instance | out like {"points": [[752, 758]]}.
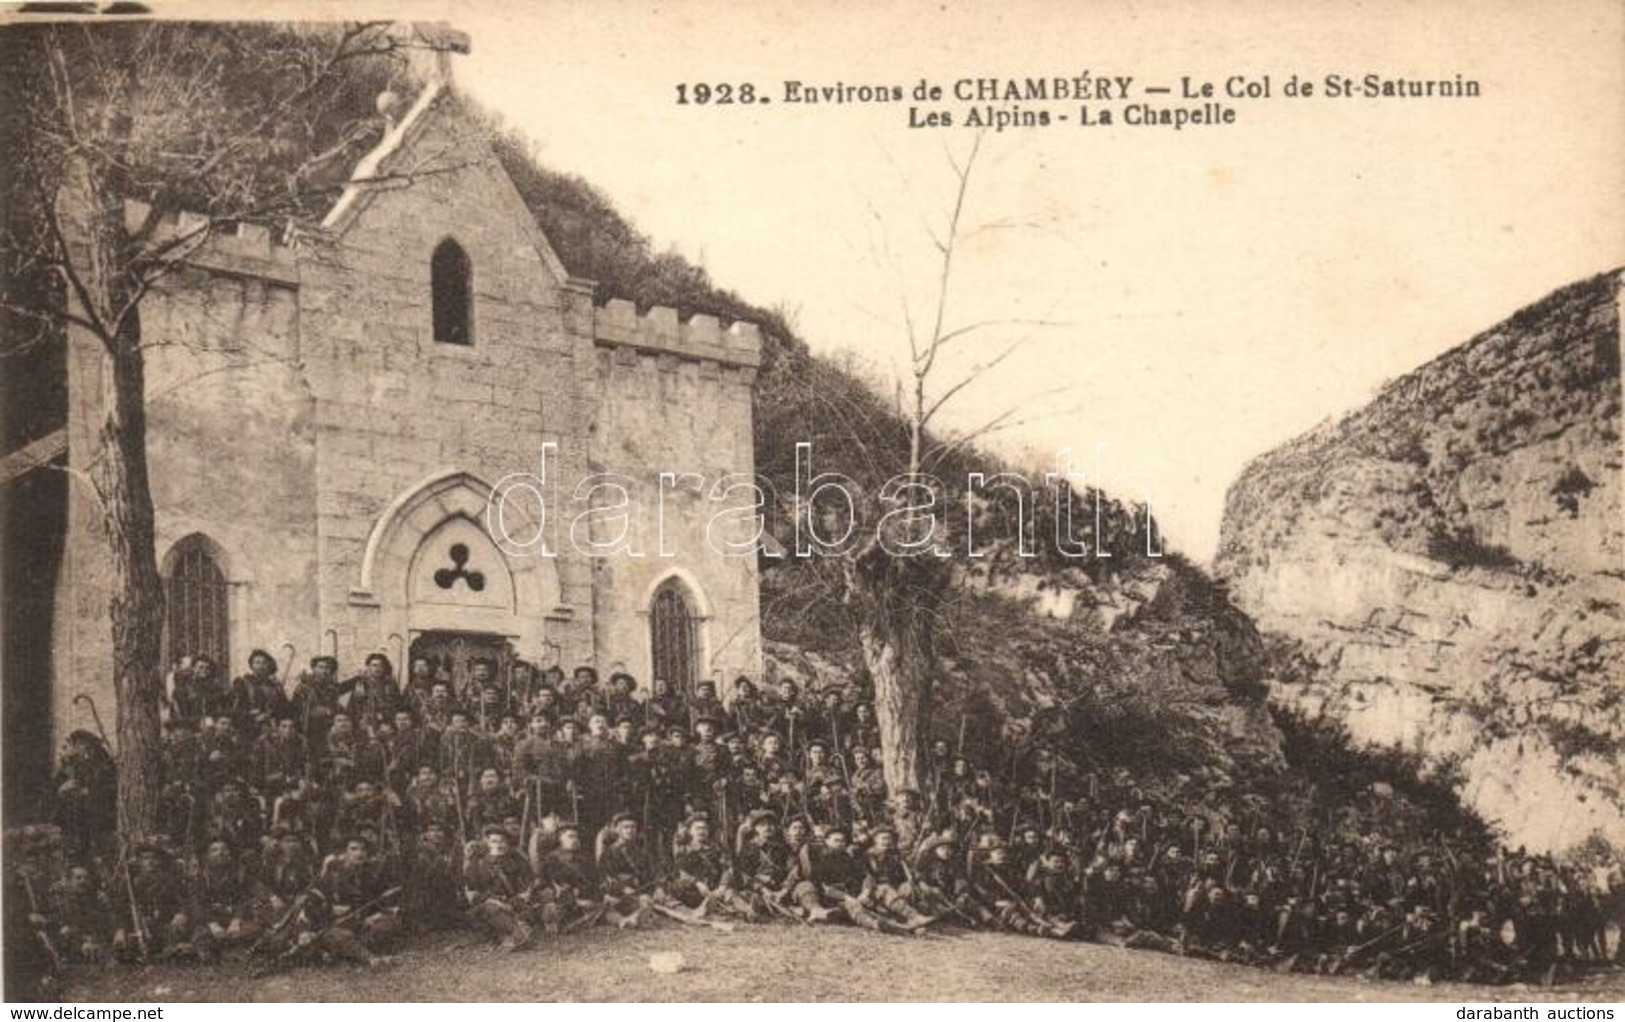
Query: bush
{"points": [[1461, 548]]}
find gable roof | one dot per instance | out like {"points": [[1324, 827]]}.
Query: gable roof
{"points": [[364, 181]]}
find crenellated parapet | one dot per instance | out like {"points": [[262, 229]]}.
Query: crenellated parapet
{"points": [[659, 331], [239, 249]]}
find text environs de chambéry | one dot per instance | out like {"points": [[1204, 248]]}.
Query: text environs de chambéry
{"points": [[1103, 101]]}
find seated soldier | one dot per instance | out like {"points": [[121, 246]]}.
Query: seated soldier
{"points": [[80, 921], [157, 924], [225, 903], [567, 888], [498, 887], [702, 877], [625, 872]]}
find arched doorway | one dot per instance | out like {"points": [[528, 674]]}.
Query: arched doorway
{"points": [[673, 636]]}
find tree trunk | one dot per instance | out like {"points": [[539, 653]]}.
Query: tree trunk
{"points": [[137, 602], [899, 652], [119, 475]]}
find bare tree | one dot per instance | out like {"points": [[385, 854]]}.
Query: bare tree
{"points": [[897, 580], [114, 131]]}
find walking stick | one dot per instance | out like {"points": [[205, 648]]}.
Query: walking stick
{"points": [[960, 750], [97, 717], [140, 924], [39, 931]]}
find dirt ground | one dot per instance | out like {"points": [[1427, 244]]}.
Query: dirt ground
{"points": [[782, 963]]}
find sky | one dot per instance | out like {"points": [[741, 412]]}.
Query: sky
{"points": [[1201, 296]]}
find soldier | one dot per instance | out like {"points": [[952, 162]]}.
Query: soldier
{"points": [[711, 766], [81, 919], [1053, 894], [413, 748], [282, 757], [750, 712], [541, 767], [599, 774], [704, 704], [492, 802], [621, 703], [432, 801], [433, 898], [831, 880], [349, 755], [419, 683], [938, 887], [625, 873], [771, 758], [567, 885], [356, 892], [154, 924], [236, 816], [188, 698], [498, 886], [226, 903], [86, 786], [664, 707], [315, 701], [373, 695], [766, 868], [257, 698], [888, 884], [463, 753], [702, 877]]}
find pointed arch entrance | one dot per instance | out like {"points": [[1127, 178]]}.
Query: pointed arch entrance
{"points": [[441, 586]]}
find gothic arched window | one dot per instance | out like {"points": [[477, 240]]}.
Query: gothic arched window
{"points": [[451, 287], [196, 617], [672, 637]]}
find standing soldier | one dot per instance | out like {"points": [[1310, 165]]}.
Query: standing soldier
{"points": [[463, 753], [664, 707], [373, 695], [257, 697], [315, 700], [599, 770]]}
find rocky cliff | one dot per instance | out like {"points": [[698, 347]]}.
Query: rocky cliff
{"points": [[1450, 562]]}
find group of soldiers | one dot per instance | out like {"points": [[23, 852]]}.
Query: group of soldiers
{"points": [[324, 819]]}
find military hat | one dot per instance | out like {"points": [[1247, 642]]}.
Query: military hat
{"points": [[622, 817], [760, 816], [360, 836], [818, 743], [492, 829], [884, 828], [706, 718], [625, 718], [568, 825]]}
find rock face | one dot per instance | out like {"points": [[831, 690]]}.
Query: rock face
{"points": [[1451, 561]]}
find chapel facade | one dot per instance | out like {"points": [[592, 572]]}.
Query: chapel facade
{"points": [[330, 417]]}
